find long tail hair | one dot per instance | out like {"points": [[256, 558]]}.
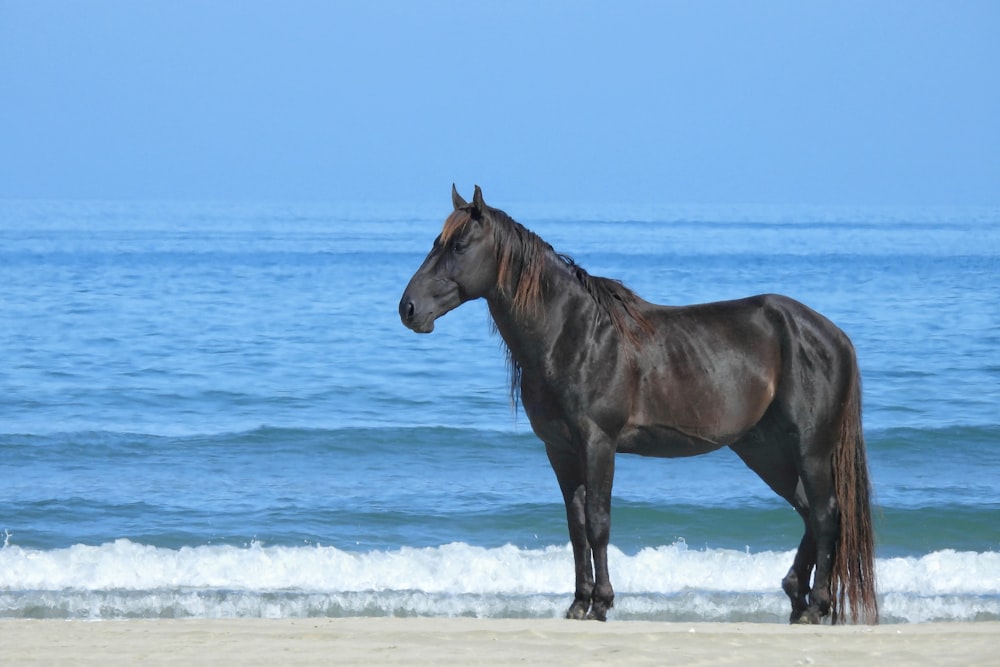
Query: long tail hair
{"points": [[853, 575]]}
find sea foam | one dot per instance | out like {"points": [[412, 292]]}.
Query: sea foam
{"points": [[124, 579]]}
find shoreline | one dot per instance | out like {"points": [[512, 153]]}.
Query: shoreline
{"points": [[467, 641]]}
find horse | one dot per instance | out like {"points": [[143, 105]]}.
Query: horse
{"points": [[601, 371]]}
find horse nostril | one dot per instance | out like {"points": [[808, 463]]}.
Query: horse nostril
{"points": [[407, 310]]}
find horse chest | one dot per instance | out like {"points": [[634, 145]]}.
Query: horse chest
{"points": [[545, 413], [560, 415]]}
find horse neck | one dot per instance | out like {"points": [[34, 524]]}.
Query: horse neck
{"points": [[531, 332]]}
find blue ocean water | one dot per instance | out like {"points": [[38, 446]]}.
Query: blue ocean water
{"points": [[213, 410]]}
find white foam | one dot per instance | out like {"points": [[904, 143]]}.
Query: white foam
{"points": [[944, 572], [126, 579]]}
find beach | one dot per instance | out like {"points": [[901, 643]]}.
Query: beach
{"points": [[468, 641]]}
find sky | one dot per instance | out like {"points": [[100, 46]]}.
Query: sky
{"points": [[717, 102]]}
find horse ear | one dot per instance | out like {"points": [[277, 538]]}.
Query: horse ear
{"points": [[456, 199], [478, 205]]}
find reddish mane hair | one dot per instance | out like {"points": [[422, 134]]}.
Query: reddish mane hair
{"points": [[522, 260]]}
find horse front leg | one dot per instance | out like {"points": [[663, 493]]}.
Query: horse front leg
{"points": [[600, 472], [569, 474], [576, 516]]}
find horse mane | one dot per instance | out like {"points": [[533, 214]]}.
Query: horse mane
{"points": [[523, 258]]}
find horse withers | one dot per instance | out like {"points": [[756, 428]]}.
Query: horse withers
{"points": [[600, 371]]}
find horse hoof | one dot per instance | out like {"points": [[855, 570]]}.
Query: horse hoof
{"points": [[598, 612], [809, 617], [577, 612]]}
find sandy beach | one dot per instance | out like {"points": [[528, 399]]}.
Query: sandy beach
{"points": [[465, 641]]}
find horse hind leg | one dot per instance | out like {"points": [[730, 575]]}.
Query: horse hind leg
{"points": [[796, 582], [813, 496], [762, 452], [823, 522]]}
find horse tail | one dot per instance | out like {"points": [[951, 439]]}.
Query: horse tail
{"points": [[853, 572]]}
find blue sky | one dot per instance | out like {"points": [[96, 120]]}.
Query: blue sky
{"points": [[846, 103]]}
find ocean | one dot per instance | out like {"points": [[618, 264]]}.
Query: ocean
{"points": [[212, 410]]}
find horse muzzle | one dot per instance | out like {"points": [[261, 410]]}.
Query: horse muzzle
{"points": [[412, 318]]}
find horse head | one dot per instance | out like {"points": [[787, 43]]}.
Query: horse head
{"points": [[461, 266]]}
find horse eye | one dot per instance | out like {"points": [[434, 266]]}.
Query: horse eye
{"points": [[459, 246]]}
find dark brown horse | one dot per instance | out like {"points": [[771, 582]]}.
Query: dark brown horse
{"points": [[602, 371]]}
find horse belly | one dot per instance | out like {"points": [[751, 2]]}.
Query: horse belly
{"points": [[664, 442]]}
